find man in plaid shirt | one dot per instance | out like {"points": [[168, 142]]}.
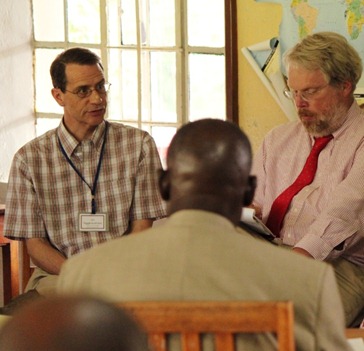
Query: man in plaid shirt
{"points": [[83, 183]]}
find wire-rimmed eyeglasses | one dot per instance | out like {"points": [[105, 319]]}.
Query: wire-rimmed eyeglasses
{"points": [[83, 92], [306, 95]]}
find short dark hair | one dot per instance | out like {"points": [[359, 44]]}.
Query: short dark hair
{"points": [[80, 56]]}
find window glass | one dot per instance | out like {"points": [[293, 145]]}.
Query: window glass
{"points": [[159, 86], [114, 15], [128, 23], [123, 75], [45, 124], [48, 20], [207, 86], [206, 23], [84, 21], [160, 22], [44, 99]]}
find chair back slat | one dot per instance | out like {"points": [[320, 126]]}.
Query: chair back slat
{"points": [[158, 341], [190, 341], [224, 342], [223, 319]]}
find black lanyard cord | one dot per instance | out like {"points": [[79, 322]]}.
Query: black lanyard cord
{"points": [[94, 186]]}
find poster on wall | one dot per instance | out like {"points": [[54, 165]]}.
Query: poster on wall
{"points": [[304, 17], [265, 60]]}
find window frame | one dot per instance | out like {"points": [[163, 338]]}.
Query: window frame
{"points": [[230, 53]]}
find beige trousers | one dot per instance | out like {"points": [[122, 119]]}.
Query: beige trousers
{"points": [[43, 282], [350, 280]]}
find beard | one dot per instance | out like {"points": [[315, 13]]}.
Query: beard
{"points": [[324, 123]]}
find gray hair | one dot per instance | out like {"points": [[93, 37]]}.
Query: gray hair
{"points": [[330, 53]]}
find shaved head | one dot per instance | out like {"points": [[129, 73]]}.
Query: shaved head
{"points": [[208, 167], [214, 144]]}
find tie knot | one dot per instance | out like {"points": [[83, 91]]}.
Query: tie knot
{"points": [[321, 142]]}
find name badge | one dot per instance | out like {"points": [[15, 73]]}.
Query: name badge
{"points": [[89, 222]]}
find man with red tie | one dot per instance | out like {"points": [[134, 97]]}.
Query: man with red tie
{"points": [[310, 172]]}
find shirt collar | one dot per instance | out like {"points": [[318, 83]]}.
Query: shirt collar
{"points": [[70, 143]]}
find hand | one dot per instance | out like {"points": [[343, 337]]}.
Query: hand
{"points": [[302, 252]]}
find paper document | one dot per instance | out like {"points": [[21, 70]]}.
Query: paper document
{"points": [[248, 217]]}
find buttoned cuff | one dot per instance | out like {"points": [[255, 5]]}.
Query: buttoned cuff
{"points": [[316, 246]]}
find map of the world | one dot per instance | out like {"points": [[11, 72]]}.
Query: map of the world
{"points": [[304, 17]]}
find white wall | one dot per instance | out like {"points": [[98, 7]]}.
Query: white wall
{"points": [[17, 123]]}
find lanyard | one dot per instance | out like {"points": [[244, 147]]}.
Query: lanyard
{"points": [[93, 188]]}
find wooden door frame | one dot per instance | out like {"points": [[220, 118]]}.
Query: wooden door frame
{"points": [[231, 61]]}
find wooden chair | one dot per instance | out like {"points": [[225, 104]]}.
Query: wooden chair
{"points": [[353, 333], [223, 319], [20, 267]]}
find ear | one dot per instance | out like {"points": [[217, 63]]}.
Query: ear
{"points": [[58, 96], [250, 190], [347, 88], [164, 184]]}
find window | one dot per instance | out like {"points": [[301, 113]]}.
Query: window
{"points": [[169, 61]]}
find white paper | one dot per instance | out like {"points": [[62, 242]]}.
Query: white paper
{"points": [[264, 45], [248, 217]]}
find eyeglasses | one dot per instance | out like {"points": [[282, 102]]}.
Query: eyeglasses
{"points": [[83, 92], [306, 95]]}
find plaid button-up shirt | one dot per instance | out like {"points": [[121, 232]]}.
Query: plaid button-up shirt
{"points": [[45, 194]]}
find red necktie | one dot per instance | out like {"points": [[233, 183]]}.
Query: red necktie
{"points": [[281, 203]]}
